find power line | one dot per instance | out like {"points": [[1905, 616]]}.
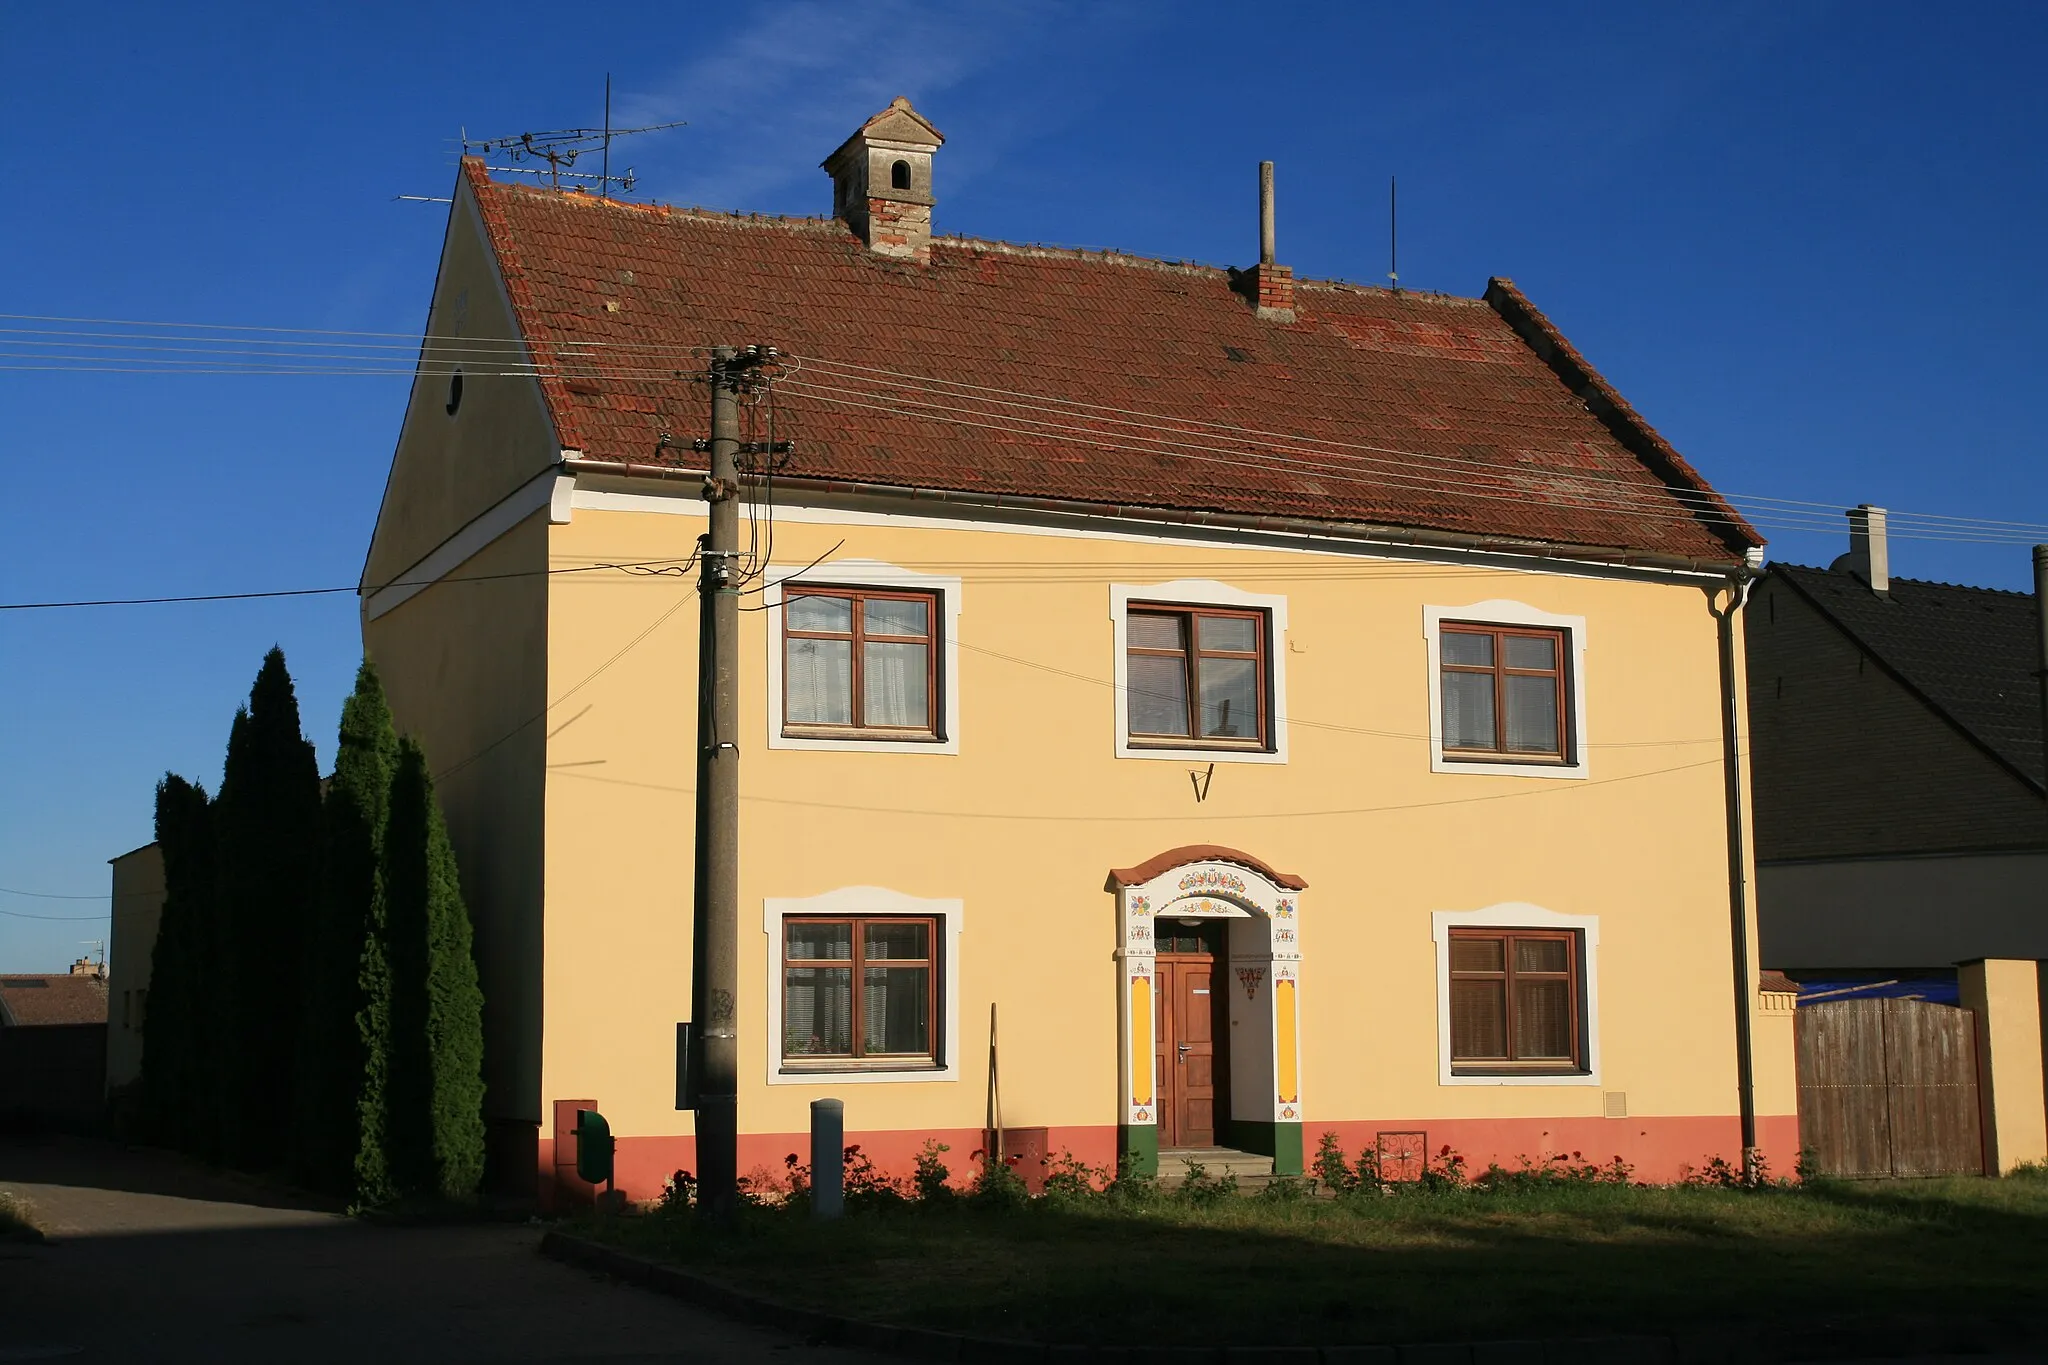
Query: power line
{"points": [[641, 566], [1545, 789], [1784, 513], [1271, 464], [57, 919]]}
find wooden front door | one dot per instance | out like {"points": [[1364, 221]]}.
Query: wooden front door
{"points": [[1190, 1006]]}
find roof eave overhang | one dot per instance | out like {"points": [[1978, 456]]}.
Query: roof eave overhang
{"points": [[1360, 532]]}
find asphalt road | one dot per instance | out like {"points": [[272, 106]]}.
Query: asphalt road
{"points": [[151, 1258]]}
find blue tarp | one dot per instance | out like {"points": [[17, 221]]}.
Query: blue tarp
{"points": [[1940, 990]]}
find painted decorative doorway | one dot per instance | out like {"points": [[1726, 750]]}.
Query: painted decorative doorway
{"points": [[1240, 1085], [1187, 988]]}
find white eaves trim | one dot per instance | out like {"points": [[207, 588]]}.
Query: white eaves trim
{"points": [[545, 489], [868, 900], [683, 499], [1502, 613], [1517, 915]]}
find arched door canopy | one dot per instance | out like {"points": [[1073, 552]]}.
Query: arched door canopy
{"points": [[1122, 877]]}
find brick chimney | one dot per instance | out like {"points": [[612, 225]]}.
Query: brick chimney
{"points": [[1869, 556], [1269, 287], [882, 182]]}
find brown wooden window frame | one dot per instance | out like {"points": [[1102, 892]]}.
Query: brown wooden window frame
{"points": [[933, 730], [1191, 657], [1566, 753], [859, 1059], [1574, 974]]}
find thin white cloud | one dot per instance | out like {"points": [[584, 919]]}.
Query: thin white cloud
{"points": [[770, 101]]}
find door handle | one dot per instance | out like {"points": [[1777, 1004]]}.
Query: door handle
{"points": [[1183, 1050]]}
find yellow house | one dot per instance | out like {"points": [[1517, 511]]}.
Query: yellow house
{"points": [[1268, 707]]}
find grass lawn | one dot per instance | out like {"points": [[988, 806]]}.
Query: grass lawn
{"points": [[1556, 1260]]}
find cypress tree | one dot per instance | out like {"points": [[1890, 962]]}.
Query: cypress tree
{"points": [[331, 1067], [373, 1176], [432, 1103], [177, 1036], [269, 845]]}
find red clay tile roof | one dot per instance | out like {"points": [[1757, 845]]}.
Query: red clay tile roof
{"points": [[1395, 410], [65, 999]]}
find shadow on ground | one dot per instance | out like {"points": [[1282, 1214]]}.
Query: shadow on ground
{"points": [[153, 1258]]}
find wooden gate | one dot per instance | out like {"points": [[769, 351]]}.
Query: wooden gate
{"points": [[1889, 1087]]}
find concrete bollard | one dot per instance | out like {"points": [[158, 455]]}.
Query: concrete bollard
{"points": [[828, 1169]]}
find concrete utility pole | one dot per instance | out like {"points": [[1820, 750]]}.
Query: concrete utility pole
{"points": [[714, 984]]}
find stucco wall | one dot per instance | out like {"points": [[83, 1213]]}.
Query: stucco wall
{"points": [[465, 667], [1023, 824], [138, 904], [449, 468]]}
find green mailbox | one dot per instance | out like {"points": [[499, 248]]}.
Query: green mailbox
{"points": [[593, 1147]]}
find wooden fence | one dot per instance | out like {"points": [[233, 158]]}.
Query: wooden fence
{"points": [[1889, 1088]]}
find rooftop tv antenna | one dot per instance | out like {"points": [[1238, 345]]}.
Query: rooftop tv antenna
{"points": [[560, 149], [1393, 236]]}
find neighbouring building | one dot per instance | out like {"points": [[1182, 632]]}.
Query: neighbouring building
{"points": [[53, 1046], [138, 906], [1902, 853], [1279, 706], [1900, 821]]}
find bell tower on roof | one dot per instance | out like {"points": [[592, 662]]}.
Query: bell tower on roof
{"points": [[882, 182]]}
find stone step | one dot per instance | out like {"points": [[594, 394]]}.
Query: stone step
{"points": [[1216, 1162]]}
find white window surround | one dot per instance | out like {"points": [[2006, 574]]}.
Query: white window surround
{"points": [[1518, 915], [1199, 592], [868, 900], [1505, 613], [869, 573]]}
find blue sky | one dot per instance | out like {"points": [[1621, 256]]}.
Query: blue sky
{"points": [[1798, 238]]}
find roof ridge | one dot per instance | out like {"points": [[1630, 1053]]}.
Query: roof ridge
{"points": [[1916, 582], [1052, 250], [1941, 710]]}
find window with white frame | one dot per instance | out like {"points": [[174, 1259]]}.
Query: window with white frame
{"points": [[863, 657], [1506, 690], [1517, 996], [863, 986], [860, 662]]}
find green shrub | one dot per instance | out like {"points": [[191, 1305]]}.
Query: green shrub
{"points": [[1555, 1169], [1131, 1184], [1287, 1189], [1331, 1168], [1068, 1179], [929, 1178], [1202, 1190], [998, 1186]]}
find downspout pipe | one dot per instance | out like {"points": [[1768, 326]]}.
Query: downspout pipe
{"points": [[1737, 587]]}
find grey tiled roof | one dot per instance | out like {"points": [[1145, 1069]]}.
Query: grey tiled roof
{"points": [[1971, 653]]}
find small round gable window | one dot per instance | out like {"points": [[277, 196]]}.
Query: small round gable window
{"points": [[454, 392], [899, 176]]}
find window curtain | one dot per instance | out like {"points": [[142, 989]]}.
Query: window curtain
{"points": [[1468, 710], [893, 678], [819, 677]]}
